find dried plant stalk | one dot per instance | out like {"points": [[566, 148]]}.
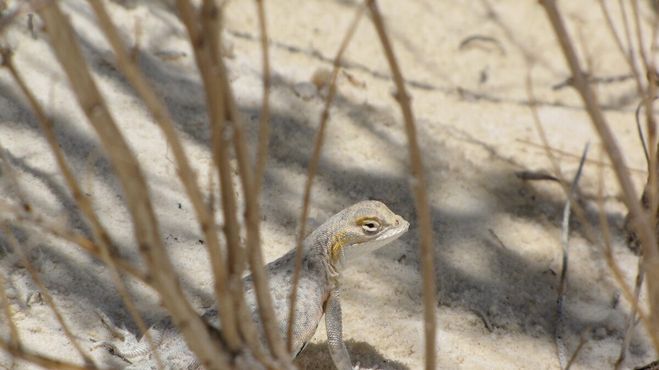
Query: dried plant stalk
{"points": [[252, 216], [252, 195], [578, 210], [14, 338], [40, 360], [215, 108], [89, 363], [221, 106], [186, 174], [264, 124], [562, 285], [20, 216], [419, 190], [12, 177], [641, 222], [311, 172], [146, 228], [107, 248]]}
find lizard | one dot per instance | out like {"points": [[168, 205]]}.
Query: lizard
{"points": [[354, 231]]}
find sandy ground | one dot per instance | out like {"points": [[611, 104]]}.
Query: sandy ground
{"points": [[496, 237]]}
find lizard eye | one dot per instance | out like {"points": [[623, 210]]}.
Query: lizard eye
{"points": [[371, 226]]}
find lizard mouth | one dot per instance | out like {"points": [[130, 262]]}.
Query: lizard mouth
{"points": [[394, 232], [389, 235]]}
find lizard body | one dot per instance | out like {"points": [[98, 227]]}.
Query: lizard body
{"points": [[356, 230]]}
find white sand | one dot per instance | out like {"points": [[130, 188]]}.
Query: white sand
{"points": [[476, 131]]}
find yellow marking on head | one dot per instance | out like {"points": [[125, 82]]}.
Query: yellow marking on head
{"points": [[337, 243]]}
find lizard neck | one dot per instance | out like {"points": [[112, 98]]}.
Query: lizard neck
{"points": [[326, 244]]}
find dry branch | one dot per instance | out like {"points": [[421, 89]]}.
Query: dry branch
{"points": [[20, 216], [107, 248], [221, 106], [643, 227], [311, 171], [251, 190], [418, 188], [582, 342], [12, 177], [631, 319], [146, 229], [578, 210], [562, 286], [89, 363], [264, 125], [186, 173], [38, 359], [14, 337]]}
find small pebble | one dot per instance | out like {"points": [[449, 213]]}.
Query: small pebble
{"points": [[305, 90], [320, 78]]}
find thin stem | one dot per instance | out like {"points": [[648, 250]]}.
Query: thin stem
{"points": [[215, 108], [264, 125], [146, 227], [641, 223], [107, 248], [419, 190], [38, 359], [9, 234], [185, 172], [13, 179], [14, 338], [562, 286], [577, 209], [311, 172]]}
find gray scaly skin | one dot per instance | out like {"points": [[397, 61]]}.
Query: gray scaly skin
{"points": [[356, 230]]}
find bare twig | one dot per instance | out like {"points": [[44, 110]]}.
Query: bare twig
{"points": [[496, 237], [639, 34], [631, 319], [14, 339], [46, 295], [38, 359], [639, 277], [578, 210], [220, 106], [419, 189], [146, 228], [311, 172], [251, 187], [628, 37], [614, 33], [562, 286], [19, 215], [582, 341], [186, 174], [264, 125], [628, 54], [107, 250], [650, 191], [536, 176], [576, 157], [641, 223], [639, 129], [12, 177]]}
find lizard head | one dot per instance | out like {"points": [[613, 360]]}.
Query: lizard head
{"points": [[364, 227]]}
